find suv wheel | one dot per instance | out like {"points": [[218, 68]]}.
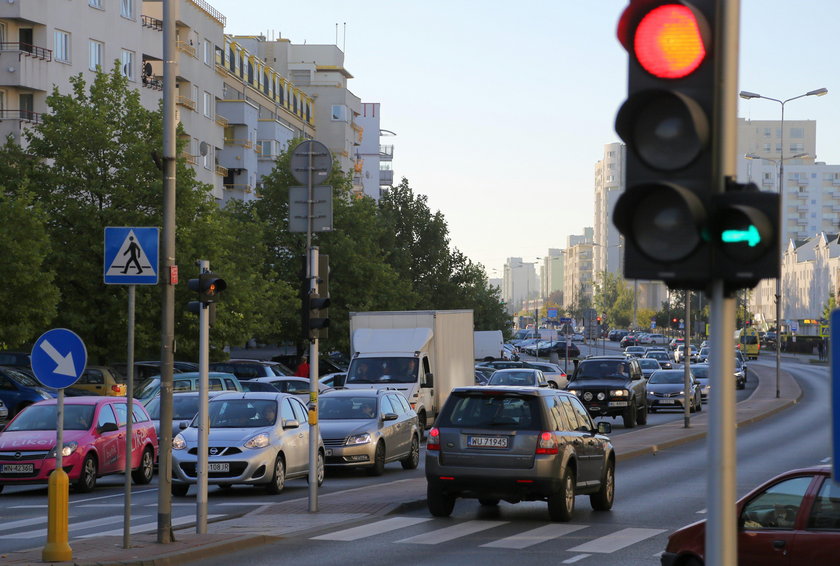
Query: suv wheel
{"points": [[630, 416], [440, 504], [561, 504], [602, 500], [641, 415]]}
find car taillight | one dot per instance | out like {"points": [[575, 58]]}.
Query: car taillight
{"points": [[547, 444], [433, 442], [116, 388]]}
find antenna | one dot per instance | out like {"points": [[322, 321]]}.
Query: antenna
{"points": [[344, 42], [336, 33]]}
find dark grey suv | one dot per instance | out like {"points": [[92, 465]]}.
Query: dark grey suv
{"points": [[611, 386], [495, 443]]}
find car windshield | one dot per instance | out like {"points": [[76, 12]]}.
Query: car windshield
{"points": [[667, 377], [601, 369], [492, 410], [43, 417], [338, 408], [21, 378], [649, 363], [382, 370], [149, 388], [184, 407], [241, 413], [700, 372], [513, 377]]}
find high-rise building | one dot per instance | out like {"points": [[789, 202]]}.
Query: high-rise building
{"points": [[519, 284], [609, 183]]}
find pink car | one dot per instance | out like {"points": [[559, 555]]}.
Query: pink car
{"points": [[94, 442]]}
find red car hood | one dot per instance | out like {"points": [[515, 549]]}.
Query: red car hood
{"points": [[37, 439]]}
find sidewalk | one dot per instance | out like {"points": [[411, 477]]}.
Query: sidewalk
{"points": [[274, 522]]}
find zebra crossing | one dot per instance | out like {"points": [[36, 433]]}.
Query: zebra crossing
{"points": [[432, 533], [36, 527]]}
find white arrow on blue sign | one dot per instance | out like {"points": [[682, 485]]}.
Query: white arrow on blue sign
{"points": [[131, 255], [58, 358]]}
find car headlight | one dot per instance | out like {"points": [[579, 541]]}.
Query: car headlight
{"points": [[178, 443], [358, 439], [619, 393], [574, 391], [69, 448], [259, 441]]}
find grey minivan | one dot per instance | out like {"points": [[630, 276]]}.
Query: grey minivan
{"points": [[495, 443]]}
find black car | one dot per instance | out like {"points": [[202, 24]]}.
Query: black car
{"points": [[558, 347], [515, 444], [611, 386], [629, 340]]}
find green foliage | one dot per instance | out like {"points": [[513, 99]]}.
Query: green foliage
{"points": [[614, 298]]}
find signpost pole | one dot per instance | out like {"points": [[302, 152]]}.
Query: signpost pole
{"points": [[129, 437], [203, 409]]}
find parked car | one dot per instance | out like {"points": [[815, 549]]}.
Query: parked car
{"points": [[369, 428], [793, 518], [666, 390], [260, 439], [298, 386], [657, 339], [184, 409], [19, 389], [334, 380], [649, 365], [249, 369], [94, 442], [481, 430], [16, 359], [556, 346], [101, 380], [188, 381], [482, 374], [611, 386], [4, 414], [147, 369], [520, 377], [253, 385]]}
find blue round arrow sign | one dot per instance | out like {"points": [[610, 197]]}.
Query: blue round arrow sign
{"points": [[58, 358]]}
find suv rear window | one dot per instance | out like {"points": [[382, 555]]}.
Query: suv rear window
{"points": [[510, 411]]}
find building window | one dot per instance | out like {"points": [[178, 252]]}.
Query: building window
{"points": [[127, 60], [62, 46], [767, 132], [195, 95], [797, 133], [339, 113], [95, 4], [2, 102], [97, 52], [767, 147], [797, 147], [208, 102], [208, 51], [127, 9], [207, 158]]}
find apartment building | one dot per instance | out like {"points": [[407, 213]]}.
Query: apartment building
{"points": [[609, 184], [519, 284], [373, 158], [552, 271], [579, 269]]}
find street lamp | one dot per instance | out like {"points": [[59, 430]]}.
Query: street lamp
{"points": [[746, 95]]}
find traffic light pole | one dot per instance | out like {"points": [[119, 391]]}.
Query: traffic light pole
{"points": [[203, 409]]}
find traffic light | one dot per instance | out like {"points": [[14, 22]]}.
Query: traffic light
{"points": [[599, 320], [208, 286], [746, 236], [314, 307], [666, 124]]}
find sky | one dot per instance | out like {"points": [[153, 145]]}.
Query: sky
{"points": [[502, 109]]}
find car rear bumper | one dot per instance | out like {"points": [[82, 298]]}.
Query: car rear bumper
{"points": [[534, 483]]}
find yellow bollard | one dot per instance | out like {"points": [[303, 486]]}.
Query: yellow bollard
{"points": [[57, 548]]}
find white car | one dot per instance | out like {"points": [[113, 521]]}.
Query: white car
{"points": [[657, 339]]}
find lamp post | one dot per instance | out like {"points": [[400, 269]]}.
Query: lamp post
{"points": [[746, 95]]}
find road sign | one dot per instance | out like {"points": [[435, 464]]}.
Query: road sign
{"points": [[835, 392], [311, 157], [322, 209], [58, 358], [565, 320], [551, 313], [131, 255]]}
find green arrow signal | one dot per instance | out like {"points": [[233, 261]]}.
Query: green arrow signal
{"points": [[750, 236]]}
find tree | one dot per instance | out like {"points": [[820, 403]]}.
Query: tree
{"points": [[615, 299]]}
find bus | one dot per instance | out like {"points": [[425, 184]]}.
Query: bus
{"points": [[747, 340]]}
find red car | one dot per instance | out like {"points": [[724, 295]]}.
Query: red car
{"points": [[792, 519], [94, 442]]}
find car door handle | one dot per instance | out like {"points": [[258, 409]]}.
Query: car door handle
{"points": [[779, 544]]}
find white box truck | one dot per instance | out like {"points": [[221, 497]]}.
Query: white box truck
{"points": [[422, 354], [489, 345]]}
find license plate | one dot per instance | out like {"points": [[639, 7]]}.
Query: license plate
{"points": [[618, 403], [17, 468], [667, 401], [328, 452], [487, 441], [220, 467]]}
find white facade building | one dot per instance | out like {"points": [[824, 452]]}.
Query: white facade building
{"points": [[519, 284], [374, 159], [609, 184]]}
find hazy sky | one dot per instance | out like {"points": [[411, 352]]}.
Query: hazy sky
{"points": [[501, 108]]}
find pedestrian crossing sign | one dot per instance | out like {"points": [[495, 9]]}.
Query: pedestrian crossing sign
{"points": [[131, 255]]}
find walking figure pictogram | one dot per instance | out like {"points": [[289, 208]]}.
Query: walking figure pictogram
{"points": [[133, 252]]}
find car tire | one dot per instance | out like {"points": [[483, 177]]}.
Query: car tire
{"points": [[278, 477], [378, 467], [651, 410], [143, 474], [630, 416], [180, 489], [641, 415], [440, 504], [412, 460], [319, 471], [561, 504], [602, 500], [488, 501], [87, 479], [692, 561], [421, 418], [700, 406], [1, 487]]}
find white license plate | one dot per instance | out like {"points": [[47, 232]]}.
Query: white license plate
{"points": [[618, 403], [17, 468], [667, 401], [218, 467], [327, 452], [487, 441]]}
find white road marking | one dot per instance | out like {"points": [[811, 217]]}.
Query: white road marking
{"points": [[72, 527], [145, 527], [574, 559], [616, 541], [455, 531], [372, 529], [8, 526], [701, 512], [534, 536]]}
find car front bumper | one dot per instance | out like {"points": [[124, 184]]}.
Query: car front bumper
{"points": [[250, 466], [349, 455]]}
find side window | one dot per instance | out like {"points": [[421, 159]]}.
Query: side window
{"points": [[140, 415], [395, 403], [583, 417], [571, 414], [561, 420], [826, 511], [120, 410], [216, 384], [299, 410], [93, 377], [106, 415], [777, 506], [230, 384], [385, 405], [286, 411], [406, 407], [181, 385]]}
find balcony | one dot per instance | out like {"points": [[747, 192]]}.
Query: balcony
{"points": [[386, 177], [241, 143], [191, 159], [22, 115], [186, 102], [221, 171], [386, 152], [222, 121], [24, 65], [29, 10], [152, 23], [186, 48]]}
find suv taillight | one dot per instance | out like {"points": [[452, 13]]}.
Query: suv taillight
{"points": [[547, 444], [433, 442]]}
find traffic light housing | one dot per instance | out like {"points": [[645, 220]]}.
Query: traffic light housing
{"points": [[315, 316], [666, 123], [208, 286]]}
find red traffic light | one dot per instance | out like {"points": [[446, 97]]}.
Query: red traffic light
{"points": [[668, 41]]}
